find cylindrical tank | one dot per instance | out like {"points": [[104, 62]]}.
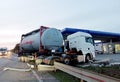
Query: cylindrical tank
{"points": [[50, 39]]}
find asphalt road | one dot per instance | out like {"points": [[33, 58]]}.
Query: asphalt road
{"points": [[11, 61], [13, 75], [10, 71], [112, 57]]}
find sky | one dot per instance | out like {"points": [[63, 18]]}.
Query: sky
{"points": [[18, 17]]}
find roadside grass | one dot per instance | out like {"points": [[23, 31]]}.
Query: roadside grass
{"points": [[64, 77], [113, 71]]}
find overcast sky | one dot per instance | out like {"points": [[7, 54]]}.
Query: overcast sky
{"points": [[21, 16]]}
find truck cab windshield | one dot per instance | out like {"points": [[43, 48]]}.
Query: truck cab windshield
{"points": [[89, 40]]}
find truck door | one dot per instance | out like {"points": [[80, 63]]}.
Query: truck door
{"points": [[67, 45]]}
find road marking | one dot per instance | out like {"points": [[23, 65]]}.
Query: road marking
{"points": [[15, 69], [35, 74]]}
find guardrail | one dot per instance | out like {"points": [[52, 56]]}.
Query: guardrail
{"points": [[84, 74]]}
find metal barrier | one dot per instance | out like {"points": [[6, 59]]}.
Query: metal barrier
{"points": [[84, 74]]}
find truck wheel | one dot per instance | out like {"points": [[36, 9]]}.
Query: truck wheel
{"points": [[87, 59], [67, 61]]}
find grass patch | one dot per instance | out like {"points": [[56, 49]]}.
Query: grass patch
{"points": [[113, 71], [64, 77]]}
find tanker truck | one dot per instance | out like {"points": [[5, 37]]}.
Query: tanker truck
{"points": [[49, 42]]}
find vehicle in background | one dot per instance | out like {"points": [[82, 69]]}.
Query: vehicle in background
{"points": [[98, 48], [3, 51]]}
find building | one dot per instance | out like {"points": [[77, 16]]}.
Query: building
{"points": [[109, 42]]}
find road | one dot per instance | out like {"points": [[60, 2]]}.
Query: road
{"points": [[11, 62], [11, 70], [111, 57]]}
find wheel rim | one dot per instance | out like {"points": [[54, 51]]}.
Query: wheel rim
{"points": [[88, 58], [67, 61]]}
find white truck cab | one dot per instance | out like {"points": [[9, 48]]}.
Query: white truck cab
{"points": [[83, 43]]}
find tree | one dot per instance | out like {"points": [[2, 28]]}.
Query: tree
{"points": [[16, 48]]}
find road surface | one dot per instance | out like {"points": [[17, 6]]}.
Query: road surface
{"points": [[11, 70], [111, 57]]}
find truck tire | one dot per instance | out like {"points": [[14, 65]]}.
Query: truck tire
{"points": [[67, 61], [88, 58]]}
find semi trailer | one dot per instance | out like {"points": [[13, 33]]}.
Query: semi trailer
{"points": [[49, 42], [41, 40]]}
